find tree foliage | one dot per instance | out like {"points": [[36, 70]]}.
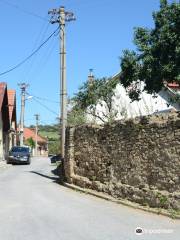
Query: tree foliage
{"points": [[30, 142], [54, 147], [46, 127], [100, 91], [158, 53], [76, 117]]}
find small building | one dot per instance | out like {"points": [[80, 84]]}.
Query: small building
{"points": [[171, 94], [4, 122], [42, 143], [12, 117]]}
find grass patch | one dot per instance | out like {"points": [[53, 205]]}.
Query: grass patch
{"points": [[49, 134]]}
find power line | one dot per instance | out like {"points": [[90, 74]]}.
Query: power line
{"points": [[42, 122], [39, 68], [33, 53], [50, 110], [39, 39], [23, 10], [32, 119], [44, 99]]}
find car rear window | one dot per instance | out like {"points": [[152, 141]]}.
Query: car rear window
{"points": [[20, 149]]}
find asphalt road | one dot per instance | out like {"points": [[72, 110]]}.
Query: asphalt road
{"points": [[34, 207]]}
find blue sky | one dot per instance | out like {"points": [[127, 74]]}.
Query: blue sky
{"points": [[95, 40]]}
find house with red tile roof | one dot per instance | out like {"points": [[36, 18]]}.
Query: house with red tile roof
{"points": [[173, 85], [171, 93], [42, 142], [4, 121], [12, 117]]}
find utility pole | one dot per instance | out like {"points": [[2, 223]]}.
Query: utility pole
{"points": [[23, 87], [61, 17], [37, 123]]}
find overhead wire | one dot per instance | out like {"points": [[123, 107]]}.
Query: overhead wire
{"points": [[32, 54], [40, 37], [45, 123], [23, 10], [44, 59], [44, 99], [47, 108]]}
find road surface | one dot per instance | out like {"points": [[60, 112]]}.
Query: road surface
{"points": [[34, 207]]}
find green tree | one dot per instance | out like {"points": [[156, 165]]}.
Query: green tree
{"points": [[30, 142], [157, 59], [54, 146], [99, 92], [76, 117]]}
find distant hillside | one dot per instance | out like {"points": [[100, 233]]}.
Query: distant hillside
{"points": [[52, 132]]}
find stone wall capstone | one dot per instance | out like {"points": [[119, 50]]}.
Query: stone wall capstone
{"points": [[138, 160]]}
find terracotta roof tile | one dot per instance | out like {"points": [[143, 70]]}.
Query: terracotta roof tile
{"points": [[173, 85], [28, 133]]}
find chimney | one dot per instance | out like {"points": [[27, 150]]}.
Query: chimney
{"points": [[90, 76]]}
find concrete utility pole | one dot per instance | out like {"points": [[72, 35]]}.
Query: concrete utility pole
{"points": [[61, 17], [36, 142], [23, 87]]}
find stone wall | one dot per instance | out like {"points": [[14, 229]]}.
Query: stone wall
{"points": [[138, 159]]}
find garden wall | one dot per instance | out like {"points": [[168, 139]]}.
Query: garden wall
{"points": [[138, 159]]}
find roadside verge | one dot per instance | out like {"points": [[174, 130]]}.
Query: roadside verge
{"points": [[168, 213]]}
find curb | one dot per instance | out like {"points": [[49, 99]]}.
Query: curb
{"points": [[127, 203]]}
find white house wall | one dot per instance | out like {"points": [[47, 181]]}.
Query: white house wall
{"points": [[147, 105], [126, 109], [168, 94], [12, 136]]}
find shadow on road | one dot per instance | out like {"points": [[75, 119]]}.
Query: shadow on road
{"points": [[56, 172], [55, 179]]}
